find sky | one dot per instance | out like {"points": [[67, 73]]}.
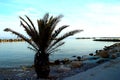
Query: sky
{"points": [[98, 18]]}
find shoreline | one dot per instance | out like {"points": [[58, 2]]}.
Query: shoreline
{"points": [[106, 71], [61, 72], [29, 73]]}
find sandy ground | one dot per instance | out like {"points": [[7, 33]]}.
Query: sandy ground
{"points": [[109, 70], [106, 71], [29, 74]]}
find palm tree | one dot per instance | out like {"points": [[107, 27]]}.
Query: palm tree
{"points": [[45, 40]]}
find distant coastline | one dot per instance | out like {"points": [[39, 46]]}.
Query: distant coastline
{"points": [[94, 39], [12, 40]]}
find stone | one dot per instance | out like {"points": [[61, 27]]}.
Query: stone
{"points": [[91, 54], [57, 62], [76, 64], [104, 54], [78, 58], [65, 61]]}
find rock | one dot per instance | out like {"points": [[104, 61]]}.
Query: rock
{"points": [[91, 54], [104, 54], [65, 61], [57, 62], [74, 56], [78, 58], [113, 51], [76, 64]]}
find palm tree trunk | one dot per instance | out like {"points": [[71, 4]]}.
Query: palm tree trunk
{"points": [[41, 62]]}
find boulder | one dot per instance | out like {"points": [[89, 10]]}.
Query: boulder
{"points": [[104, 54], [76, 64], [78, 58], [57, 62], [91, 54]]}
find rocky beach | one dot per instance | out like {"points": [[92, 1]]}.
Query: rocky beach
{"points": [[69, 69]]}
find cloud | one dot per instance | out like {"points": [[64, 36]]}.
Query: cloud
{"points": [[103, 14], [101, 20]]}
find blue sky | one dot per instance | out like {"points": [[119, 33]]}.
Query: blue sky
{"points": [[95, 17]]}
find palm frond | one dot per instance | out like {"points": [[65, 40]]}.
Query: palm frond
{"points": [[52, 22], [30, 28], [53, 51], [32, 49], [40, 26], [45, 39], [32, 24], [46, 17], [46, 28], [63, 37], [21, 36], [28, 31], [55, 34], [55, 47], [71, 33], [27, 28]]}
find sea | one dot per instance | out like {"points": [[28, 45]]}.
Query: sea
{"points": [[16, 54]]}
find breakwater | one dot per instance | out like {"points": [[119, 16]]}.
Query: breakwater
{"points": [[113, 39]]}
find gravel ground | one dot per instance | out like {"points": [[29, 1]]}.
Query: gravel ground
{"points": [[29, 73]]}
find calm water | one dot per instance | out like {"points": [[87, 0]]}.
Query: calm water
{"points": [[15, 54]]}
